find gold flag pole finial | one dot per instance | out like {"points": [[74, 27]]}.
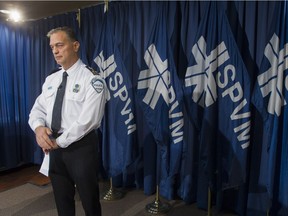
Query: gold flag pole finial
{"points": [[106, 5], [78, 17]]}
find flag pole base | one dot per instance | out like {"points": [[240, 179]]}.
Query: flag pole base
{"points": [[112, 194], [157, 207]]}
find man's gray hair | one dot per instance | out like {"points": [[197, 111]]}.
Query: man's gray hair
{"points": [[69, 31]]}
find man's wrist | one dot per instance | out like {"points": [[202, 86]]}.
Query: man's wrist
{"points": [[55, 144]]}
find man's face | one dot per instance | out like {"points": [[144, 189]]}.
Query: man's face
{"points": [[64, 50]]}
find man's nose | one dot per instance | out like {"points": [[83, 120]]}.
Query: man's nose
{"points": [[55, 50]]}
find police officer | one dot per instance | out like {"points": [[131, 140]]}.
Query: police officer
{"points": [[73, 149]]}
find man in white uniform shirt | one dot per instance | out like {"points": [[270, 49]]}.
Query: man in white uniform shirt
{"points": [[73, 150]]}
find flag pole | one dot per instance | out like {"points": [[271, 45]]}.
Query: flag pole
{"points": [[209, 202], [112, 193], [158, 207]]}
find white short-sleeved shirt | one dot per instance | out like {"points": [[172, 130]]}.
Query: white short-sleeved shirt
{"points": [[83, 103]]}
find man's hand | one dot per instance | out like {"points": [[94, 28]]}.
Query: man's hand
{"points": [[55, 145], [43, 139]]}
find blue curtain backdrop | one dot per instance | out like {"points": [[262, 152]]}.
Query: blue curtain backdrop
{"points": [[197, 97]]}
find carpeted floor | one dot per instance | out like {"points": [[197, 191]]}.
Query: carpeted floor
{"points": [[26, 192], [21, 175], [32, 200]]}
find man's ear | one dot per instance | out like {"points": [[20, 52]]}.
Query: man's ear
{"points": [[76, 46]]}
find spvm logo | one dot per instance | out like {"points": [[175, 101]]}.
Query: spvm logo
{"points": [[117, 87], [273, 81], [201, 75], [212, 71], [157, 80]]}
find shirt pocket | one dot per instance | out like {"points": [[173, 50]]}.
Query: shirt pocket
{"points": [[75, 96], [74, 103], [50, 95]]}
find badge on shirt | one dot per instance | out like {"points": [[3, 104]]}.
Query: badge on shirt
{"points": [[76, 88], [97, 84]]}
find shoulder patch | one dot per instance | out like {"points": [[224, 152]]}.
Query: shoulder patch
{"points": [[92, 70], [98, 84]]}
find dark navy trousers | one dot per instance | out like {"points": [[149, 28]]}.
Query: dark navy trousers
{"points": [[77, 165]]}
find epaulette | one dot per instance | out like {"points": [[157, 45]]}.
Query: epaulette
{"points": [[54, 70], [92, 70]]}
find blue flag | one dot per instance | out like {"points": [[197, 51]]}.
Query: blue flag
{"points": [[160, 95], [189, 183], [217, 92], [118, 126], [270, 98]]}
